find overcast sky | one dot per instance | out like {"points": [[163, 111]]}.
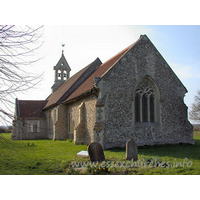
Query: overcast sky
{"points": [[179, 45]]}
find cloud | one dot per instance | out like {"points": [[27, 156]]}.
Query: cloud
{"points": [[185, 72]]}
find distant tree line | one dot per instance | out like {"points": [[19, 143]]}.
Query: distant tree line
{"points": [[4, 129], [195, 108]]}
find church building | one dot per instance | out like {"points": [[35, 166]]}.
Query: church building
{"points": [[135, 94]]}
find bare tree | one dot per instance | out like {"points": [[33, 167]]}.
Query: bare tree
{"points": [[195, 108], [18, 45]]}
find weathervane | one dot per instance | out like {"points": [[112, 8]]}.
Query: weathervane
{"points": [[63, 45]]}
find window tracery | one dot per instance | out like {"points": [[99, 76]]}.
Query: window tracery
{"points": [[145, 103]]}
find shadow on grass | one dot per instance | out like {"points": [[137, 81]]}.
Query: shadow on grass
{"points": [[117, 149], [169, 150]]}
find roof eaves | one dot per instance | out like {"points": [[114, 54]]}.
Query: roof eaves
{"points": [[49, 107], [91, 69], [77, 97], [87, 71]]}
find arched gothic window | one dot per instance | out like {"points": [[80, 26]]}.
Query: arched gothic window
{"points": [[137, 108], [152, 108], [145, 108]]}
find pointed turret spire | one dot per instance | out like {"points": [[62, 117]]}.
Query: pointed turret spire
{"points": [[62, 72]]}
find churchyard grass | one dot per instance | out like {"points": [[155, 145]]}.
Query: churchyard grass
{"points": [[54, 157], [36, 156]]}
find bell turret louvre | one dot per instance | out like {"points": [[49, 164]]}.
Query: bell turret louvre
{"points": [[62, 72]]}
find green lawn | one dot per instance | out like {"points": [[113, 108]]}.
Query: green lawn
{"points": [[53, 157]]}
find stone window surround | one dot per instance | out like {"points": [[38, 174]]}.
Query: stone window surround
{"points": [[31, 124], [149, 91], [80, 112]]}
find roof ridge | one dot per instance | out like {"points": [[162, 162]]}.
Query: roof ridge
{"points": [[69, 80], [61, 92], [87, 73], [100, 72], [66, 81]]}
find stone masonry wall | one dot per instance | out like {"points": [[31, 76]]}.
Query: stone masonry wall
{"points": [[49, 123], [56, 120], [83, 128], [20, 129], [117, 92], [60, 122]]}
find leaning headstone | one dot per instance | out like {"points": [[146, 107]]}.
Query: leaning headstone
{"points": [[95, 152], [131, 150]]}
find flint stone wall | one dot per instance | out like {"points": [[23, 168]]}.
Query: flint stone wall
{"points": [[117, 92]]}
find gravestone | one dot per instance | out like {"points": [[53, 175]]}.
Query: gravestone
{"points": [[95, 152], [131, 150]]}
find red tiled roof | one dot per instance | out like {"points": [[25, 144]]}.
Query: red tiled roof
{"points": [[30, 108], [72, 88], [88, 84], [58, 94]]}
